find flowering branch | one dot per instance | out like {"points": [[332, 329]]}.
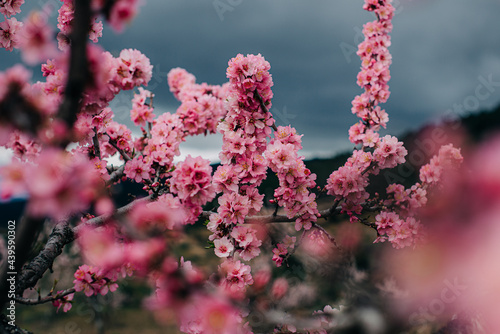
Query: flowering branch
{"points": [[113, 143], [101, 220], [47, 299], [272, 218]]}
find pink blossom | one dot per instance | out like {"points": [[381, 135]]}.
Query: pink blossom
{"points": [[36, 39], [60, 184], [191, 180], [237, 277], [101, 248], [249, 74], [261, 278], [10, 7], [13, 179], [65, 302], [157, 217], [94, 281], [288, 135], [122, 12], [65, 17], [233, 208], [281, 155], [141, 112], [209, 314], [95, 31], [138, 170], [131, 69], [10, 33], [279, 288], [223, 247], [242, 235], [279, 254], [447, 160], [430, 173], [143, 255], [121, 135], [251, 250], [389, 152], [225, 179], [179, 78]]}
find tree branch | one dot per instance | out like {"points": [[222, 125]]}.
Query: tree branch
{"points": [[99, 221], [276, 218], [116, 175], [26, 234], [78, 69], [122, 152], [62, 235]]}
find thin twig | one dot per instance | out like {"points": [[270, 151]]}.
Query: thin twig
{"points": [[297, 245], [47, 299], [328, 235], [99, 221], [116, 175], [115, 145]]}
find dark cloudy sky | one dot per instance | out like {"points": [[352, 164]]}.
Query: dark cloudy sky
{"points": [[442, 50]]}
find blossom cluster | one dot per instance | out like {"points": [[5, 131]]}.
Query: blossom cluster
{"points": [[399, 226], [119, 13], [282, 249], [294, 178], [192, 182], [212, 314], [64, 302], [202, 105], [166, 136], [374, 74], [250, 76], [31, 121], [9, 8], [245, 130], [448, 159], [9, 33], [142, 112], [34, 37], [94, 281], [179, 288], [349, 182], [111, 250], [400, 233], [58, 183], [237, 277], [166, 213], [65, 23]]}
